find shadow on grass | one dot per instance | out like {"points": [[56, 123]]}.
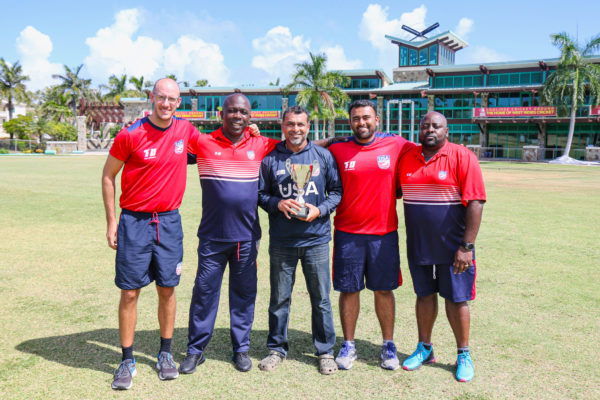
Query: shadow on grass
{"points": [[99, 350]]}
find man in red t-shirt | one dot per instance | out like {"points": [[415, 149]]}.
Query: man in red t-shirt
{"points": [[366, 237], [443, 195], [148, 237]]}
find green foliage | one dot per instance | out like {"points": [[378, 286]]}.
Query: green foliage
{"points": [[61, 131], [575, 77], [4, 151], [75, 86], [12, 85], [22, 127], [320, 91], [202, 83], [114, 130]]}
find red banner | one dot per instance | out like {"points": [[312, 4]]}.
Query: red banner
{"points": [[191, 114], [594, 110], [264, 114], [499, 112]]}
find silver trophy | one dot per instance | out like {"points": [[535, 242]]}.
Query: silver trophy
{"points": [[300, 174]]}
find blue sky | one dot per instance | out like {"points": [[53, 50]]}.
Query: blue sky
{"points": [[253, 43]]}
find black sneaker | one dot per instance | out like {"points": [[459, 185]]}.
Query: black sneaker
{"points": [[242, 362], [190, 362], [123, 376], [167, 369]]}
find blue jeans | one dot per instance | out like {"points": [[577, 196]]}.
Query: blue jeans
{"points": [[315, 266]]}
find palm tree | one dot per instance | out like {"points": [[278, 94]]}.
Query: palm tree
{"points": [[12, 86], [575, 76], [54, 105], [117, 88], [75, 86], [139, 84], [319, 91], [202, 82]]}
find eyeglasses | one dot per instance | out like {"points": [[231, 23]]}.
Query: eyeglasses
{"points": [[162, 99]]}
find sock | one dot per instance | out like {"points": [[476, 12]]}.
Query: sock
{"points": [[427, 346], [349, 344], [165, 345], [127, 353], [463, 350]]}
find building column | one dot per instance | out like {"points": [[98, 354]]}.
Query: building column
{"points": [[430, 102], [380, 112], [81, 133], [195, 104]]}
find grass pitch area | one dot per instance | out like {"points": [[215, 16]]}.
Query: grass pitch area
{"points": [[535, 323]]}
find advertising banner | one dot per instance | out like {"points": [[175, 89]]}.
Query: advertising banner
{"points": [[265, 114], [190, 114], [594, 110], [504, 112]]}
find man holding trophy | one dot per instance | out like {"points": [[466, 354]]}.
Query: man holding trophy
{"points": [[299, 187]]}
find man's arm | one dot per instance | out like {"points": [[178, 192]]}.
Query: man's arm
{"points": [[463, 258], [329, 141], [111, 169]]}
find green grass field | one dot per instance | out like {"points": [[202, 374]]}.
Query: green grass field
{"points": [[536, 321]]}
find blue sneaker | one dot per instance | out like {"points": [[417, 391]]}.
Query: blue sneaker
{"points": [[465, 370], [346, 356], [389, 359], [123, 376], [420, 356]]}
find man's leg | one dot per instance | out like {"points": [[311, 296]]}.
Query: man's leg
{"points": [[315, 266], [386, 312], [426, 309], [128, 316], [349, 310], [282, 278], [459, 318], [167, 305], [242, 296]]}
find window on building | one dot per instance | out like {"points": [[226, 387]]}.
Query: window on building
{"points": [[433, 54], [403, 56], [413, 57]]}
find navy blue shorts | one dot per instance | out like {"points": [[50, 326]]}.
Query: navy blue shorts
{"points": [[454, 287], [370, 259], [148, 250]]}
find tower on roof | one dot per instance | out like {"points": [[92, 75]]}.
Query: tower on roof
{"points": [[418, 53]]}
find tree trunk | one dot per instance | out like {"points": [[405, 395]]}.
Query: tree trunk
{"points": [[572, 117], [11, 111], [316, 129]]}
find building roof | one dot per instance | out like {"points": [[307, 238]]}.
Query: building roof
{"points": [[551, 62], [448, 38]]}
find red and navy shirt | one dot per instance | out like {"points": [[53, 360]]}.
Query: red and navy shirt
{"points": [[435, 195], [229, 179], [369, 183], [154, 176]]}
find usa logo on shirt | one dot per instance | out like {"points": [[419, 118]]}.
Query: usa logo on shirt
{"points": [[179, 146], [250, 154], [383, 162], [442, 175]]}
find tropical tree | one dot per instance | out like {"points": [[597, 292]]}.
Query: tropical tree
{"points": [[202, 82], [117, 88], [140, 84], [319, 90], [575, 77], [12, 85], [54, 104], [75, 86]]}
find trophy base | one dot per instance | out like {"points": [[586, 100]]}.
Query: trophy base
{"points": [[301, 213]]}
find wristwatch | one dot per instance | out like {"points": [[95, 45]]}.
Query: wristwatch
{"points": [[467, 246]]}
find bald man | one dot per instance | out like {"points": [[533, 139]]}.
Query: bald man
{"points": [[148, 236], [228, 163], [443, 194]]}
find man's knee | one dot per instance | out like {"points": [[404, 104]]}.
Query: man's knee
{"points": [[165, 293], [129, 296]]}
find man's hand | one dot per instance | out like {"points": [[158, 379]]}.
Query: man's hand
{"points": [[463, 259], [313, 213], [111, 235], [254, 131], [289, 206]]}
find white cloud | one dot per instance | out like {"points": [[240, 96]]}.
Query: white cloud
{"points": [[464, 27], [482, 54], [336, 58], [195, 59], [375, 24], [278, 52], [34, 49], [117, 50]]}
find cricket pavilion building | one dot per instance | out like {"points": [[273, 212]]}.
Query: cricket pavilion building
{"points": [[493, 108]]}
